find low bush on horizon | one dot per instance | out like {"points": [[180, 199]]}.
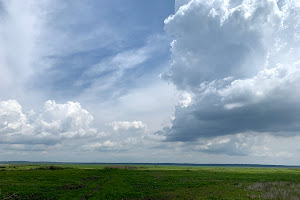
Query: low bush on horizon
{"points": [[52, 167], [120, 167]]}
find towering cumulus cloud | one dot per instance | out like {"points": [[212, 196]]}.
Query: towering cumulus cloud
{"points": [[239, 62]]}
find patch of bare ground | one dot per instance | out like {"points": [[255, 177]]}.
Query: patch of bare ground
{"points": [[275, 190]]}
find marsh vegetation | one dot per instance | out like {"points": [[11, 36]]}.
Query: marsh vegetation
{"points": [[146, 182]]}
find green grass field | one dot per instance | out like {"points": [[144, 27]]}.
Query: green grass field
{"points": [[146, 182]]}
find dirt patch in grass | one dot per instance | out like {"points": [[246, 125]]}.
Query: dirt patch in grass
{"points": [[275, 190]]}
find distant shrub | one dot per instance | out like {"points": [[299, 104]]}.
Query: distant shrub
{"points": [[120, 167], [52, 167]]}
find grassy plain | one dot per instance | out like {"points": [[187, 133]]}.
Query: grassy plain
{"points": [[80, 181]]}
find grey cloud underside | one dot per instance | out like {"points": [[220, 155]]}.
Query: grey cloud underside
{"points": [[240, 63], [266, 117]]}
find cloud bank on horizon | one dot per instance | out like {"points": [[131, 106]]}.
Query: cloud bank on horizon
{"points": [[235, 63]]}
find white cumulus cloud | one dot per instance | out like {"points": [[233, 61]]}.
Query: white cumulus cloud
{"points": [[50, 125], [127, 125], [68, 126]]}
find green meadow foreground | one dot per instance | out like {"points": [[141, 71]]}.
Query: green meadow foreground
{"points": [[146, 182]]}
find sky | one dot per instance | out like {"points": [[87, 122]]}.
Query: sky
{"points": [[184, 81]]}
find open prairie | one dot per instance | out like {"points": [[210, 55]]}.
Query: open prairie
{"points": [[83, 181]]}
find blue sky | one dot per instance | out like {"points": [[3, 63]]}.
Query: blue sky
{"points": [[150, 81], [96, 31]]}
